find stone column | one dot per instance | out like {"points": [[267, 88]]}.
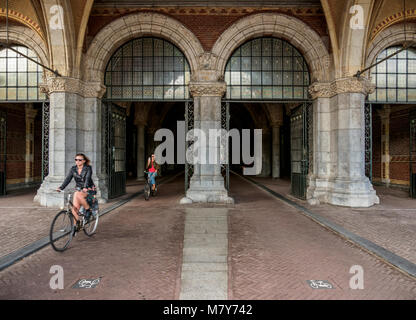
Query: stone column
{"points": [[276, 149], [30, 139], [75, 126], [338, 176], [385, 144], [140, 152], [207, 183]]}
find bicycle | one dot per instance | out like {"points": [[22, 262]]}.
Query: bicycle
{"points": [[148, 188], [63, 229]]}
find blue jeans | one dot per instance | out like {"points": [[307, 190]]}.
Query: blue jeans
{"points": [[152, 176]]}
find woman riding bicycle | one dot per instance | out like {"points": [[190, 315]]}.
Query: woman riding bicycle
{"points": [[152, 170], [81, 173]]}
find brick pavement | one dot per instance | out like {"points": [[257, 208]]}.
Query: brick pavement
{"points": [[274, 249], [391, 224]]}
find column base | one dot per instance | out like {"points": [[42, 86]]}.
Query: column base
{"points": [[207, 189], [342, 192]]}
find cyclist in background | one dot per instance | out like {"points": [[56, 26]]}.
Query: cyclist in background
{"points": [[152, 169]]}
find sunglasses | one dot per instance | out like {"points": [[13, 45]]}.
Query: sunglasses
{"points": [[79, 159]]}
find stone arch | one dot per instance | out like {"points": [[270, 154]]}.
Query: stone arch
{"points": [[390, 37], [277, 25], [26, 37], [112, 36]]}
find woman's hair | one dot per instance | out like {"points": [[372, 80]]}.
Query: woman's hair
{"points": [[87, 160]]}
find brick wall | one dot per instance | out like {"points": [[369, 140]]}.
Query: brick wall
{"points": [[206, 23], [399, 145]]}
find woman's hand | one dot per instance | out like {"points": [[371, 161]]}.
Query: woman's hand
{"points": [[85, 190], [58, 189]]}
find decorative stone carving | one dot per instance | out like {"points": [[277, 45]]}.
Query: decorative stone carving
{"points": [[207, 61], [65, 84], [207, 88], [345, 85]]}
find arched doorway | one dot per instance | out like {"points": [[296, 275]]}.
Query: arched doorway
{"points": [[271, 72], [149, 70], [23, 146]]}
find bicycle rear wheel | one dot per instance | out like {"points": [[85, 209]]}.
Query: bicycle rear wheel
{"points": [[146, 191], [60, 234], [91, 225]]}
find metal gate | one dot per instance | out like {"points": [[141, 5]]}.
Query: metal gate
{"points": [[3, 152], [225, 124], [301, 150], [45, 138], [412, 156], [115, 133], [368, 141], [189, 125]]}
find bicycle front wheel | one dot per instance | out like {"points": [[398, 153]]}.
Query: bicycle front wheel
{"points": [[60, 234], [91, 225], [146, 191]]}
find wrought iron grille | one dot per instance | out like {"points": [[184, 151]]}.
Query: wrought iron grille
{"points": [[412, 156], [225, 124], [301, 148], [45, 138], [267, 69], [147, 69], [20, 77], [368, 140], [189, 125], [395, 78], [3, 151]]}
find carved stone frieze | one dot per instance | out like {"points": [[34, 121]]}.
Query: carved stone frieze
{"points": [[207, 88], [72, 85], [344, 85]]}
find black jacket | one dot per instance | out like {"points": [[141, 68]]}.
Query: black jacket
{"points": [[83, 180]]}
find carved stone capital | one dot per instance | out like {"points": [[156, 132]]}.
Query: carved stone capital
{"points": [[72, 85], [216, 89], [344, 85]]}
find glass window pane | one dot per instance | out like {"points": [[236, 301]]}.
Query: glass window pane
{"points": [[11, 94], [22, 94], [267, 78], [401, 94], [391, 94], [287, 78], [246, 64], [256, 78], [137, 92], [179, 64], [12, 64], [11, 79], [22, 79], [179, 92], [127, 92], [179, 78], [267, 47], [246, 92], [401, 80], [148, 63], [137, 47], [391, 80], [235, 63], [256, 93], [277, 63], [381, 95], [287, 93], [3, 79], [148, 92], [412, 81], [147, 78], [137, 78], [298, 92], [158, 64], [298, 78], [411, 94], [381, 81], [235, 78], [168, 78], [158, 47], [246, 50], [147, 47], [116, 78], [277, 78], [168, 63], [3, 62], [158, 92], [246, 78], [267, 93], [227, 77], [287, 63], [159, 77], [277, 92], [382, 67], [127, 78], [391, 65], [287, 49], [411, 66], [267, 64], [2, 93], [255, 49], [168, 92], [256, 63], [235, 93], [402, 66], [32, 93]]}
